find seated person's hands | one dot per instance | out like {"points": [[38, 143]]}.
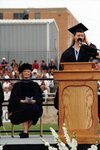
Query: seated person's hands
{"points": [[28, 100], [31, 101]]}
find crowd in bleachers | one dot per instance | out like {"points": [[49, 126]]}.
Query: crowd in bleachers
{"points": [[40, 71]]}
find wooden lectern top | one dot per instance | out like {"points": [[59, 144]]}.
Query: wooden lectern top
{"points": [[73, 71], [78, 65]]}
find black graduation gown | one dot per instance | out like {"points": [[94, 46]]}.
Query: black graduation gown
{"points": [[1, 101], [85, 53], [18, 112]]}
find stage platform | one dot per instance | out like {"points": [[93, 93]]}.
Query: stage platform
{"points": [[32, 143], [33, 139]]}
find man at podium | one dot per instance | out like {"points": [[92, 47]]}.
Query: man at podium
{"points": [[77, 93], [81, 50]]}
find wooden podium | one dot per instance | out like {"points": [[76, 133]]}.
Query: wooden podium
{"points": [[78, 101]]}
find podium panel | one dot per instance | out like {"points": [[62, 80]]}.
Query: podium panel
{"points": [[78, 104]]}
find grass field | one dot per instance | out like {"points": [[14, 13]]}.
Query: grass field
{"points": [[33, 130], [6, 128]]}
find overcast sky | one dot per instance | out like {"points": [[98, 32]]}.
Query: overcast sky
{"points": [[85, 11]]}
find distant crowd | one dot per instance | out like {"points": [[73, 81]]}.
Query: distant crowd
{"points": [[40, 71]]}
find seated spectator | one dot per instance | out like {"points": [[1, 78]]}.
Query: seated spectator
{"points": [[15, 72], [14, 63], [45, 75], [6, 83], [43, 65], [25, 103], [34, 73], [52, 65], [35, 65], [45, 84], [1, 101], [7, 86], [45, 90], [38, 76], [8, 67], [7, 92], [52, 82], [4, 62], [6, 74]]}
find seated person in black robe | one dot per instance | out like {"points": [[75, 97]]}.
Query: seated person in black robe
{"points": [[80, 50], [1, 101], [25, 103]]}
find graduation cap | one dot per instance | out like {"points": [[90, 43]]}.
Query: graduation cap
{"points": [[24, 67], [78, 28]]}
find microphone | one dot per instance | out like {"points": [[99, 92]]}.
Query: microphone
{"points": [[79, 42]]}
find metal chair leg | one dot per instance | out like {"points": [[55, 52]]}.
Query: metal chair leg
{"points": [[41, 127], [12, 130]]}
